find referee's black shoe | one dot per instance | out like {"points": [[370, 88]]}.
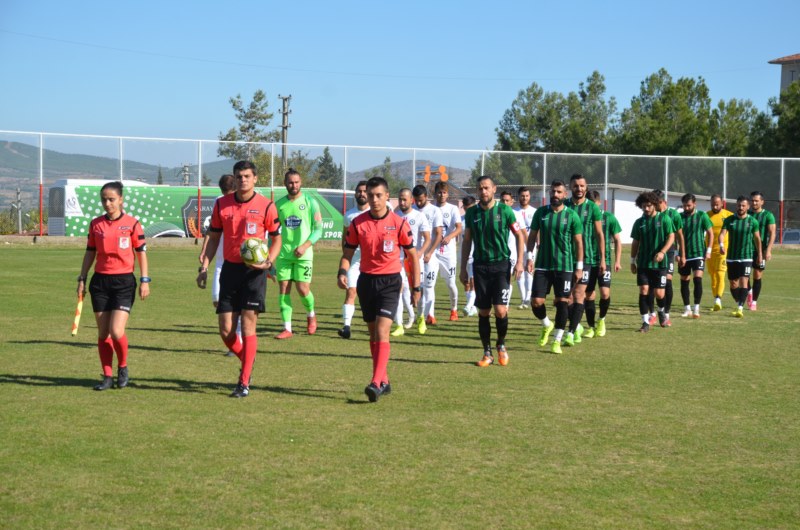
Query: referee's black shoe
{"points": [[345, 332], [386, 389], [373, 392], [644, 329], [107, 383], [240, 391], [122, 377]]}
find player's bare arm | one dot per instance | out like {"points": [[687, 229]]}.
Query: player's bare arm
{"points": [[518, 268], [722, 234], [634, 253], [436, 241], [411, 254], [144, 287], [274, 250], [344, 266], [578, 273], [601, 244], [466, 245], [533, 236], [88, 259], [617, 253], [205, 258]]}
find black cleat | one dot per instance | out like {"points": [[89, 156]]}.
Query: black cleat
{"points": [[373, 392], [107, 383], [240, 391], [345, 332], [644, 329], [386, 389], [122, 377], [662, 319], [230, 354]]}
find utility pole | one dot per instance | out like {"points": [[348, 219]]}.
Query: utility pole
{"points": [[285, 125], [18, 205], [185, 175]]}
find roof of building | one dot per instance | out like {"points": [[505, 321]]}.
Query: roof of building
{"points": [[787, 60]]}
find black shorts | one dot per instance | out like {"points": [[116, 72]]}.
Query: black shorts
{"points": [[378, 295], [738, 269], [591, 276], [671, 255], [760, 265], [492, 283], [655, 278], [694, 264], [604, 280], [543, 280], [241, 288], [111, 292]]}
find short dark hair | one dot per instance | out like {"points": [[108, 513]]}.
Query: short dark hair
{"points": [[419, 190], [741, 198], [227, 183], [593, 195], [689, 197], [291, 171], [404, 190], [647, 197], [715, 196], [441, 185], [754, 193], [374, 182], [523, 188], [576, 176], [241, 165], [557, 184], [115, 185], [506, 192], [468, 201], [660, 194], [485, 177], [360, 183]]}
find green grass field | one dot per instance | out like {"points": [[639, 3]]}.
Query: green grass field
{"points": [[697, 426]]}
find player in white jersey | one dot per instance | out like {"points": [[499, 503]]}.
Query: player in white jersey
{"points": [[469, 309], [447, 251], [429, 266], [508, 199], [349, 308], [524, 212], [420, 235]]}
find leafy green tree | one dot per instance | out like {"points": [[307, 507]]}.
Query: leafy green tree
{"points": [[254, 120], [667, 118], [330, 175], [160, 177], [392, 177], [206, 181], [730, 126]]}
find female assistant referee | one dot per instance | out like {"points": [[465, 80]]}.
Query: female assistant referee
{"points": [[114, 239]]}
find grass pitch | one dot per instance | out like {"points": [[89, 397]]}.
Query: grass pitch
{"points": [[695, 426]]}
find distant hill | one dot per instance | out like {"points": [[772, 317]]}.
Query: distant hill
{"points": [[19, 167]]}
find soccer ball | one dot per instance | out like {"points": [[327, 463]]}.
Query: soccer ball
{"points": [[253, 251]]}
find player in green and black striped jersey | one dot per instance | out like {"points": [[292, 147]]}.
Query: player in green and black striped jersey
{"points": [[611, 232], [743, 242], [698, 236], [766, 225], [653, 235], [558, 230], [677, 249], [486, 231], [583, 293]]}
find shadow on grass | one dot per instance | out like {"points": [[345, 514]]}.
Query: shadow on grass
{"points": [[94, 345], [170, 385], [394, 358]]}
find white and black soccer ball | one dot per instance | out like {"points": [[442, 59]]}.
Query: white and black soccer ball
{"points": [[254, 251]]}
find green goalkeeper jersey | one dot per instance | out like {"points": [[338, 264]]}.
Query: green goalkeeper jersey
{"points": [[301, 221]]}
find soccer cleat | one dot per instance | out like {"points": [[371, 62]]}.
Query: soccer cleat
{"points": [[409, 323], [600, 329], [589, 333], [546, 330], [653, 319], [644, 329], [398, 331], [285, 334], [373, 392], [556, 347], [686, 313], [453, 315], [662, 319], [717, 305], [579, 334], [344, 332], [696, 313], [312, 325], [754, 306], [568, 340], [749, 298], [522, 306], [421, 326], [430, 320], [107, 383], [230, 354], [241, 391], [486, 360], [386, 389], [502, 355], [738, 313], [473, 311], [122, 377]]}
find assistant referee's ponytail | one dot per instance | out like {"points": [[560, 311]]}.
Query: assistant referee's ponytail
{"points": [[115, 185]]}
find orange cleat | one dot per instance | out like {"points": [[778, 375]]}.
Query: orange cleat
{"points": [[285, 334], [486, 361], [430, 320], [453, 315], [312, 325], [502, 355]]}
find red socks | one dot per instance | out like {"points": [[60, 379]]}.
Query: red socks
{"points": [[380, 360], [248, 356], [121, 347], [106, 349], [235, 345]]}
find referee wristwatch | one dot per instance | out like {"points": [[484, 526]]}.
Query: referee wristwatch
{"points": [[202, 269], [417, 289]]}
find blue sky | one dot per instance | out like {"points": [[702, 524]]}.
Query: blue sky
{"points": [[411, 74]]}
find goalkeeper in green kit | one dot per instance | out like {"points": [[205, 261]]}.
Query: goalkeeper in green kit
{"points": [[301, 227]]}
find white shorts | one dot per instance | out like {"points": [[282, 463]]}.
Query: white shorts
{"points": [[447, 263], [215, 283], [429, 272], [353, 273]]}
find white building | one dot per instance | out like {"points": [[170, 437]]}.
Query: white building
{"points": [[790, 69]]}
